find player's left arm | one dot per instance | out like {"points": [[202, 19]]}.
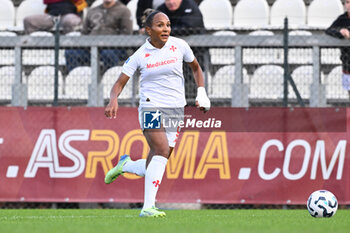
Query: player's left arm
{"points": [[202, 100]]}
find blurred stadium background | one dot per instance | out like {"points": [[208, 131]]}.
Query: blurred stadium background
{"points": [[243, 58]]}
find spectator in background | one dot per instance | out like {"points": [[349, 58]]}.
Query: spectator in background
{"points": [[340, 28], [70, 12], [125, 2], [186, 19], [142, 5], [184, 15], [110, 18]]}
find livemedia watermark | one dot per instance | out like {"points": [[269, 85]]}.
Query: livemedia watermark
{"points": [[254, 119], [173, 118]]}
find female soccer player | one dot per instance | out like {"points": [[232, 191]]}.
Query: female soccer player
{"points": [[159, 60]]}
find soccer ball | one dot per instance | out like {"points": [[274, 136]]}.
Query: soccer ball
{"points": [[322, 203]]}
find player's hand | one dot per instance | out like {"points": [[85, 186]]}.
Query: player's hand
{"points": [[202, 100], [111, 109]]}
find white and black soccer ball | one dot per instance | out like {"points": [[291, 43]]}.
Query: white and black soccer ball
{"points": [[322, 204]]}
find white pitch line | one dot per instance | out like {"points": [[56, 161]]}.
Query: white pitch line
{"points": [[65, 217]]}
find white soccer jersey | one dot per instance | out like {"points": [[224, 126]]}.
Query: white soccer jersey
{"points": [[162, 80]]}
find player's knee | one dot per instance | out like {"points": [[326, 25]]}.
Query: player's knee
{"points": [[162, 152]]}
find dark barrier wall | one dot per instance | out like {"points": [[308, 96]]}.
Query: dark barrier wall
{"points": [[256, 155]]}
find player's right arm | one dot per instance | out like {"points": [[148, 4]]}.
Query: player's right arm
{"points": [[129, 68], [112, 107]]}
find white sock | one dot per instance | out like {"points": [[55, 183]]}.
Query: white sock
{"points": [[153, 179], [137, 167]]}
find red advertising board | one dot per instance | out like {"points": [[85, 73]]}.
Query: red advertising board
{"points": [[256, 155]]}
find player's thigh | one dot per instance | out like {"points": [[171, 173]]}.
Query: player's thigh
{"points": [[157, 141]]}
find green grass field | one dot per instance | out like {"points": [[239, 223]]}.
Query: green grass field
{"points": [[177, 221]]}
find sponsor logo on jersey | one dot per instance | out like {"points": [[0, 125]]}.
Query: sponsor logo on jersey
{"points": [[162, 63]]}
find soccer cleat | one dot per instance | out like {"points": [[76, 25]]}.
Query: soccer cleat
{"points": [[152, 213], [117, 170]]}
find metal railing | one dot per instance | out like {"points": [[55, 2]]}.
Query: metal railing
{"points": [[239, 44]]}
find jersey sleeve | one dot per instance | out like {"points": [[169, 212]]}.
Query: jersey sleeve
{"points": [[130, 66], [187, 52]]}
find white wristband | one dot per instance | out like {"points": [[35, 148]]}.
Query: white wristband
{"points": [[202, 98], [201, 91]]}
